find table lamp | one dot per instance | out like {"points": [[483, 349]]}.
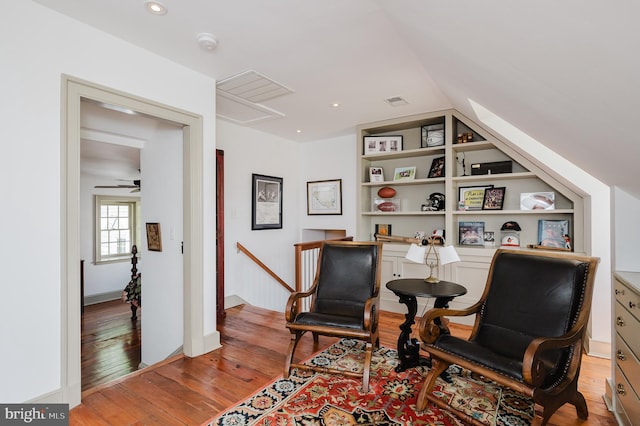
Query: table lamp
{"points": [[433, 256]]}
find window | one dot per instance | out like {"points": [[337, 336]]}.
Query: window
{"points": [[116, 227]]}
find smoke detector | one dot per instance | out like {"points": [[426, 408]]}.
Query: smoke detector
{"points": [[207, 41]]}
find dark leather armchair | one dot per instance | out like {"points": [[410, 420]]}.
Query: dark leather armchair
{"points": [[344, 302], [528, 332]]}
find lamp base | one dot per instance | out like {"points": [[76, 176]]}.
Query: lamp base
{"points": [[432, 279]]}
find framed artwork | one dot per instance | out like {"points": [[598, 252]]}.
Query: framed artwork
{"points": [[471, 197], [554, 234], [324, 197], [383, 229], [382, 144], [376, 174], [471, 233], [266, 202], [404, 173], [154, 237], [493, 198], [437, 168]]}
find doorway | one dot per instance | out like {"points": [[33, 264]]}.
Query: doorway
{"points": [[74, 90]]}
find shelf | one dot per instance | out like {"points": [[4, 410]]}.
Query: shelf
{"points": [[404, 182], [512, 212], [496, 176], [409, 213], [472, 146], [409, 153]]}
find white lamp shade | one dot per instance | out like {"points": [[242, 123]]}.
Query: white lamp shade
{"points": [[416, 253], [448, 254]]}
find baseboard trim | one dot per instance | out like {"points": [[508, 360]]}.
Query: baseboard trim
{"points": [[234, 300], [102, 297]]}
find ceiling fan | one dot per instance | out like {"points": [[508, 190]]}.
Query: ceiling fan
{"points": [[135, 187]]}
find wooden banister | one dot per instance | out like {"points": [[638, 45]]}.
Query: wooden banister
{"points": [[264, 267]]}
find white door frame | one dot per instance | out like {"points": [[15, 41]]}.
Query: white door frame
{"points": [[73, 90]]}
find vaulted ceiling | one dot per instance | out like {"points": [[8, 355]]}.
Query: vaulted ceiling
{"points": [[565, 73]]}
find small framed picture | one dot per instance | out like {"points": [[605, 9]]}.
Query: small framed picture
{"points": [[471, 233], [324, 197], [493, 198], [437, 168], [471, 197], [404, 173], [554, 234], [489, 238], [376, 174], [266, 202], [382, 144], [154, 237], [383, 229]]}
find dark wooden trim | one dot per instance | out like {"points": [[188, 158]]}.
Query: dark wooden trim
{"points": [[220, 312]]}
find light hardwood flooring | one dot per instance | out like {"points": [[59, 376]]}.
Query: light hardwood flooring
{"points": [[189, 391]]}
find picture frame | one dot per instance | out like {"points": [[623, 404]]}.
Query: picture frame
{"points": [[554, 234], [382, 144], [266, 202], [432, 135], [324, 197], [471, 233], [154, 236], [383, 229], [404, 173], [437, 169], [471, 197], [376, 174], [489, 238], [493, 198]]}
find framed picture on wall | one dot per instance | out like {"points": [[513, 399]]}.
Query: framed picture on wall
{"points": [[266, 202], [324, 197], [154, 237]]}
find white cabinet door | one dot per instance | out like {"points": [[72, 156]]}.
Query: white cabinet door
{"points": [[473, 276]]}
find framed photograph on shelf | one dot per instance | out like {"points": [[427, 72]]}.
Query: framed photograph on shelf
{"points": [[376, 174], [537, 201], [471, 233], [266, 202], [154, 237], [324, 197], [471, 197], [437, 168], [554, 234], [404, 173], [382, 144], [383, 229], [493, 198]]}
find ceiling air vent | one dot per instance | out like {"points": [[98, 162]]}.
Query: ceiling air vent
{"points": [[396, 101], [252, 86]]}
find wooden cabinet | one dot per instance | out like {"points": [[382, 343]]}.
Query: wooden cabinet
{"points": [[480, 146], [626, 349]]}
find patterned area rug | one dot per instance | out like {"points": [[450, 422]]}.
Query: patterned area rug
{"points": [[311, 399]]}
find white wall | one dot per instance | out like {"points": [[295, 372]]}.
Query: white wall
{"points": [[327, 160], [625, 211], [40, 46]]}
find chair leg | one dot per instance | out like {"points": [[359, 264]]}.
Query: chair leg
{"points": [[367, 367], [437, 367], [551, 403], [295, 338]]}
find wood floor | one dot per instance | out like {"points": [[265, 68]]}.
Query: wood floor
{"points": [[189, 391], [110, 343]]}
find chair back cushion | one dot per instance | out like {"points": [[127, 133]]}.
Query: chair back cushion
{"points": [[529, 296], [346, 278]]}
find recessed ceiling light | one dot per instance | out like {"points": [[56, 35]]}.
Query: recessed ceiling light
{"points": [[155, 7], [298, 131], [335, 105]]}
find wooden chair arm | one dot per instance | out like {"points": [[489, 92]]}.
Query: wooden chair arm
{"points": [[371, 311], [427, 328], [291, 310], [534, 370]]}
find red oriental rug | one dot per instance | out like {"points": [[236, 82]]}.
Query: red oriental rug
{"points": [[311, 399]]}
